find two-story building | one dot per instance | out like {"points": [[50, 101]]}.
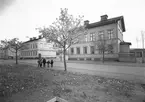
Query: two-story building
{"points": [[36, 46], [86, 49]]}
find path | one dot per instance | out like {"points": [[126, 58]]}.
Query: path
{"points": [[125, 72]]}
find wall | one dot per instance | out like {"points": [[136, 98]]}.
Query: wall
{"points": [[88, 44], [124, 49], [119, 34], [1, 54], [33, 48], [127, 57], [10, 53], [47, 53]]}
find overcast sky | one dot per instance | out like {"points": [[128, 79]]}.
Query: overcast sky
{"points": [[19, 18]]}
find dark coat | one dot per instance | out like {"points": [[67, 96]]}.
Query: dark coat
{"points": [[44, 60], [51, 62], [48, 62]]}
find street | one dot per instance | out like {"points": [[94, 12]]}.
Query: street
{"points": [[124, 72]]}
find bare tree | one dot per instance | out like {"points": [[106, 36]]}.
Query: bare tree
{"points": [[104, 45], [64, 31], [14, 45]]}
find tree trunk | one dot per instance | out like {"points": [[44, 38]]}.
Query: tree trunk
{"points": [[16, 56], [64, 60]]}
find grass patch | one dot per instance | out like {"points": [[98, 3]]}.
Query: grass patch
{"points": [[23, 83]]}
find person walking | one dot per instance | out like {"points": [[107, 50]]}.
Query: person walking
{"points": [[44, 62], [51, 62], [48, 62], [40, 62]]}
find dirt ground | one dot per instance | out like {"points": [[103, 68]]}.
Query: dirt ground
{"points": [[24, 83]]}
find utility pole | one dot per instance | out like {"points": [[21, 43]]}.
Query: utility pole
{"points": [[142, 33], [137, 41]]}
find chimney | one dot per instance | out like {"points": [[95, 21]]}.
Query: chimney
{"points": [[34, 38], [31, 39], [104, 17], [40, 37], [86, 22]]}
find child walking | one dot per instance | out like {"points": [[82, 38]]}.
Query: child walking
{"points": [[48, 62], [51, 62]]}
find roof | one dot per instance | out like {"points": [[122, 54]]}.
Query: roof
{"points": [[125, 43], [137, 49], [33, 40], [106, 22]]}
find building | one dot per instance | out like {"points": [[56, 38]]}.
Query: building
{"points": [[1, 53], [139, 54], [36, 46], [8, 53], [86, 48]]}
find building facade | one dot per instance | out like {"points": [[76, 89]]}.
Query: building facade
{"points": [[1, 53], [111, 29], [139, 54], [8, 53], [36, 46]]}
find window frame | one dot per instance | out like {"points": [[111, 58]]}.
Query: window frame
{"points": [[78, 50], [92, 36], [86, 38], [85, 51], [110, 33], [72, 50], [93, 50]]}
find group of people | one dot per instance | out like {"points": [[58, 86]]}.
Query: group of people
{"points": [[42, 62]]}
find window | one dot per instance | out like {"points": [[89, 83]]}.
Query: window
{"points": [[110, 33], [92, 48], [36, 45], [138, 54], [35, 53], [85, 50], [92, 36], [78, 50], [72, 50], [86, 38], [101, 34], [30, 53]]}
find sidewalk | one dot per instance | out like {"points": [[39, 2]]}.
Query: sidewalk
{"points": [[109, 63]]}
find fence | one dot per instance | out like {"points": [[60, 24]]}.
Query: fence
{"points": [[127, 57]]}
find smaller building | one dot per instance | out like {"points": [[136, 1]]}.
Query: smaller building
{"points": [[138, 52], [139, 55], [8, 53], [124, 54], [37, 46]]}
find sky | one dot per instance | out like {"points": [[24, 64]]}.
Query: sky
{"points": [[19, 18]]}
